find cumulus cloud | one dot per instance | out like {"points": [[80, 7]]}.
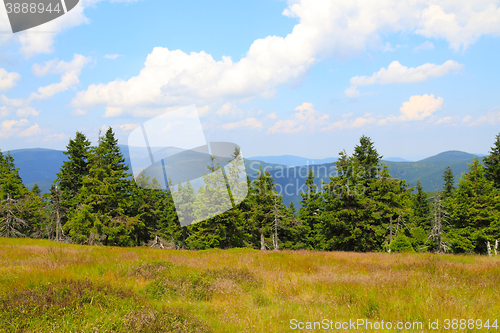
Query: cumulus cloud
{"points": [[415, 109], [248, 122], [306, 118], [461, 23], [326, 28], [70, 75], [8, 80], [397, 73]]}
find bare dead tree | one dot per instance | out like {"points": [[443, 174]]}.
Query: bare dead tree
{"points": [[440, 218], [488, 247], [10, 224], [390, 234], [400, 222], [496, 246]]}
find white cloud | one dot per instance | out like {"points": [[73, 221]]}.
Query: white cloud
{"points": [[8, 80], [57, 137], [70, 75], [415, 109], [305, 119], [112, 111], [249, 122], [40, 39], [444, 120], [271, 116], [56, 66], [128, 127], [397, 73], [12, 127], [424, 46], [326, 28], [461, 23], [31, 131], [365, 120], [4, 111], [466, 119], [27, 111], [111, 56], [389, 48], [491, 118], [79, 112], [362, 121], [14, 102], [352, 91], [229, 109]]}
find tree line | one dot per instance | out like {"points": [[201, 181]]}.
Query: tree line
{"points": [[95, 200]]}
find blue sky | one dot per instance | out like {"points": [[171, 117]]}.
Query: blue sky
{"points": [[305, 77]]}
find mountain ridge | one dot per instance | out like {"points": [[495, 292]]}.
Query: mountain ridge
{"points": [[40, 165]]}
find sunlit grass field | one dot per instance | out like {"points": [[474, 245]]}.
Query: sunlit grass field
{"points": [[53, 287]]}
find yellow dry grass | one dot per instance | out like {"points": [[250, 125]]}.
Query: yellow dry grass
{"points": [[47, 286]]}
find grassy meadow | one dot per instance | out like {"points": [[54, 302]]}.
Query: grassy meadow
{"points": [[53, 287]]}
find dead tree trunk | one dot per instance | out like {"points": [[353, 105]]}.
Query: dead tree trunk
{"points": [[11, 225], [262, 242], [437, 228], [390, 234]]}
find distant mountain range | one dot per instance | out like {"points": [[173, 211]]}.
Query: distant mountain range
{"points": [[291, 160], [41, 166]]}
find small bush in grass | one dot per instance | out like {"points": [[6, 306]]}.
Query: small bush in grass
{"points": [[199, 286], [151, 269], [50, 301], [401, 244], [149, 320]]}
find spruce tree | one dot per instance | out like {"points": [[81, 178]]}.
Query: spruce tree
{"points": [[309, 212], [492, 163], [17, 210], [421, 206], [223, 229], [71, 174], [360, 201], [10, 181], [367, 157], [449, 182], [104, 199], [474, 213]]}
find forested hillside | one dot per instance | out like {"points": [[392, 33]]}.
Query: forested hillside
{"points": [[359, 206]]}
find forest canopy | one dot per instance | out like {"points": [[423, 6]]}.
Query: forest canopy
{"points": [[95, 200]]}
